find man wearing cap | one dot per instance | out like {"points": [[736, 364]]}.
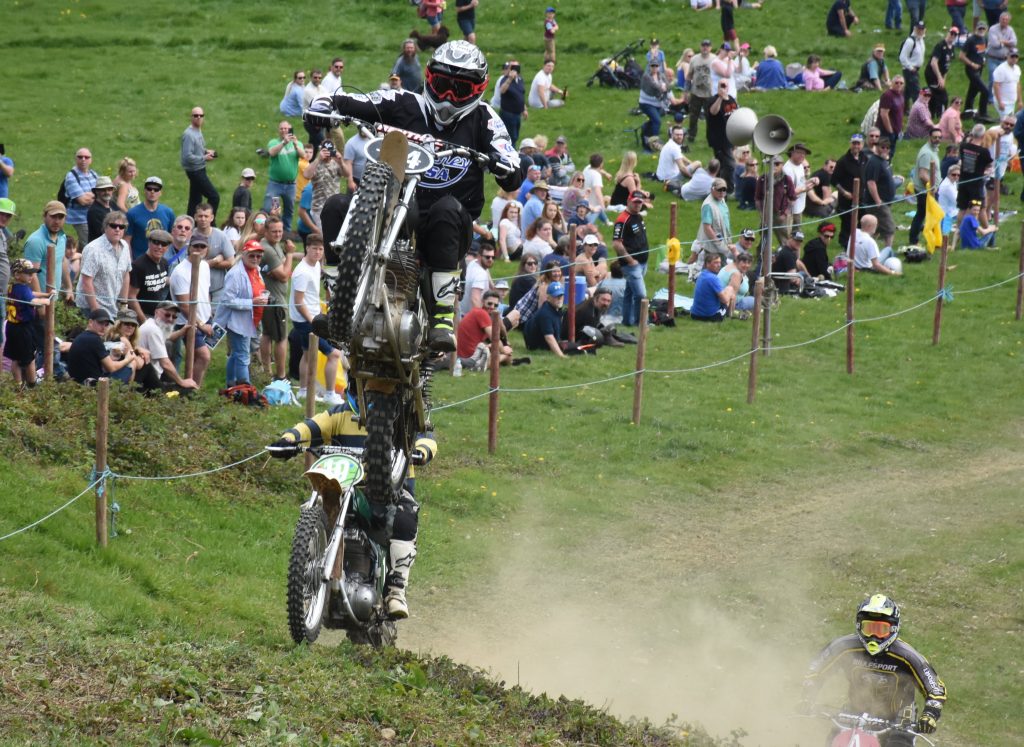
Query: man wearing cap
{"points": [[148, 278], [711, 299], [561, 163], [543, 330], [715, 229], [106, 261], [840, 18], [629, 240], [919, 120], [787, 262], [925, 177], [180, 286], [154, 334], [51, 232], [78, 185], [1006, 84], [937, 69], [973, 56], [722, 69], [796, 169], [912, 58], [534, 204], [103, 204], [512, 109], [242, 196], [699, 84], [849, 168], [194, 157], [278, 263], [148, 215], [874, 73], [88, 358], [881, 192]]}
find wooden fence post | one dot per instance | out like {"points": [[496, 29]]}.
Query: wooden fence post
{"points": [[51, 313], [311, 360], [641, 354], [190, 336], [944, 253], [1020, 275], [492, 404], [851, 276], [102, 429]]}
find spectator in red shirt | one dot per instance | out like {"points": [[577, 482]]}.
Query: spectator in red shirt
{"points": [[474, 337]]}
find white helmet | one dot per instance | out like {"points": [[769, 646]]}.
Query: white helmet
{"points": [[455, 81], [894, 264]]}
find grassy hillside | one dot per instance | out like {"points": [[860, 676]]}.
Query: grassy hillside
{"points": [[690, 565]]}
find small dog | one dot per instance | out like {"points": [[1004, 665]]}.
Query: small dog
{"points": [[430, 41]]}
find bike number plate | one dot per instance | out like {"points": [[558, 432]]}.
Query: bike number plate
{"points": [[340, 467], [417, 161]]}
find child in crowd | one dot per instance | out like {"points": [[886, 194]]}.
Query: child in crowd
{"points": [[550, 29], [20, 343]]}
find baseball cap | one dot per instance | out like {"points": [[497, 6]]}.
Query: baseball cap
{"points": [[560, 139], [744, 45], [954, 30], [22, 265], [160, 234], [1014, 52], [248, 174], [705, 42], [550, 10], [127, 315], [748, 233], [252, 245], [583, 203], [879, 47], [527, 142], [856, 136], [919, 25], [798, 235], [501, 285], [7, 206], [394, 76], [591, 239], [154, 180], [556, 289], [104, 182], [53, 207], [637, 195], [168, 305], [199, 240], [726, 46], [100, 315]]}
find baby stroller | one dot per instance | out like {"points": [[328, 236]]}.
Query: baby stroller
{"points": [[621, 70]]}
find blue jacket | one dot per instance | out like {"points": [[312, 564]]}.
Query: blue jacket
{"points": [[235, 309]]}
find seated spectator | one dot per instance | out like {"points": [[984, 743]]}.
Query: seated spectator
{"points": [[700, 183], [683, 66], [972, 234], [154, 334], [711, 300], [527, 305], [560, 255], [821, 200], [539, 239], [745, 178], [919, 122], [866, 255], [672, 164], [743, 75], [627, 180], [501, 199], [949, 123], [474, 338], [544, 328], [21, 343], [840, 19], [573, 195], [542, 90], [590, 313], [816, 260], [769, 72], [510, 236], [562, 167], [591, 259], [122, 337], [88, 358], [525, 278], [874, 74], [787, 262], [817, 78], [552, 213], [735, 276]]}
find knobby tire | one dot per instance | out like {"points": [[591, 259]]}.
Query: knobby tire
{"points": [[307, 592], [386, 443]]}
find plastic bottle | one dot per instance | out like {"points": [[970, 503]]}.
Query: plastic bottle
{"points": [[457, 369]]}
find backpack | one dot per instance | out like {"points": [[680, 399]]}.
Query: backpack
{"points": [[245, 394], [280, 393], [62, 191]]}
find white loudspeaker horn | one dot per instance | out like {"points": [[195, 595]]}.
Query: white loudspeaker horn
{"points": [[771, 135], [739, 128]]}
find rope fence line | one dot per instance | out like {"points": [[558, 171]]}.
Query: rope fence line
{"points": [[37, 522]]}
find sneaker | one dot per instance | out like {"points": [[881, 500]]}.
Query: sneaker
{"points": [[524, 361], [333, 399], [302, 393]]}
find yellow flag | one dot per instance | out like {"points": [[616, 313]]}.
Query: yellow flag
{"points": [[933, 216]]}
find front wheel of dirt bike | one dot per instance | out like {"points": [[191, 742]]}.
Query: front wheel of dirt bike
{"points": [[387, 447], [366, 221], [307, 589]]}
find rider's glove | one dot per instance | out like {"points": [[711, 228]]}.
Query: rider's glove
{"points": [[319, 113], [497, 165], [926, 724], [282, 449]]}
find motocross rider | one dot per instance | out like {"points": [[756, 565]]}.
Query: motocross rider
{"points": [[451, 195], [338, 426], [883, 672]]}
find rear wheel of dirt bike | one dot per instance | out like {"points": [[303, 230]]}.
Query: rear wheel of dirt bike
{"points": [[307, 590], [367, 219], [387, 447]]}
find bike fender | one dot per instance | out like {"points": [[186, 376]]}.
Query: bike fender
{"points": [[334, 471]]}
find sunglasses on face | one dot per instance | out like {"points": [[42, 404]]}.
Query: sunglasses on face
{"points": [[490, 305], [117, 226]]}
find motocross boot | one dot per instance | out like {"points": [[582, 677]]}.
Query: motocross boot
{"points": [[403, 554], [441, 302]]}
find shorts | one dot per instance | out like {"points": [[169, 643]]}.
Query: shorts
{"points": [[200, 337], [886, 224], [467, 25], [20, 345], [729, 35], [302, 330], [273, 323], [966, 193]]}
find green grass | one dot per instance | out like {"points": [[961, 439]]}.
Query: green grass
{"points": [[653, 570]]}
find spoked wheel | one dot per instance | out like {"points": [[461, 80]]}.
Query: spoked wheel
{"points": [[388, 440], [366, 220], [307, 590]]}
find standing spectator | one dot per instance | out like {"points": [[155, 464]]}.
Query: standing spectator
{"points": [[407, 67], [466, 18], [894, 15], [973, 56], [78, 184], [181, 234], [303, 305], [432, 11], [181, 287], [103, 204], [874, 73], [911, 57], [550, 30], [699, 86], [7, 208], [955, 8], [721, 108], [21, 343], [510, 232], [950, 124], [796, 169], [783, 195], [127, 193], [284, 151], [241, 309], [916, 10], [1001, 39], [325, 174], [975, 164], [881, 187], [50, 233], [221, 253], [937, 69], [354, 159], [332, 81], [148, 278], [278, 259], [194, 157], [653, 90], [1006, 84], [512, 101], [243, 192], [154, 334], [715, 228], [149, 215], [849, 167], [840, 19], [629, 240], [890, 113], [106, 261], [291, 104], [6, 172], [925, 178], [88, 359], [543, 330], [727, 8], [315, 89], [478, 280], [722, 69], [542, 89], [919, 122]]}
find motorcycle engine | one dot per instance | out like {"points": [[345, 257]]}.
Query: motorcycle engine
{"points": [[360, 572]]}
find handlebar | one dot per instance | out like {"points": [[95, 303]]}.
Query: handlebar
{"points": [[871, 724], [287, 451]]}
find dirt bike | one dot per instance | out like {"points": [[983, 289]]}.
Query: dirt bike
{"points": [[377, 312], [339, 556], [865, 730]]}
